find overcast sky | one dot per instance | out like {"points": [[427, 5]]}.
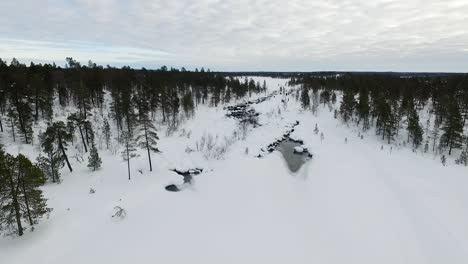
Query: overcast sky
{"points": [[236, 35]]}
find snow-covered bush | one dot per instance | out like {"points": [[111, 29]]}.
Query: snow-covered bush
{"points": [[214, 147]]}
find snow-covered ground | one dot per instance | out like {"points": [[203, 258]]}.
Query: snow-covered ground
{"points": [[352, 203]]}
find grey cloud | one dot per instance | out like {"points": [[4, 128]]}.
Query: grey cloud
{"points": [[251, 35]]}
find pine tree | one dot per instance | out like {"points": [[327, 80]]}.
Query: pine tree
{"points": [[56, 137], [385, 124], [10, 212], [129, 151], [147, 137], [84, 127], [187, 104], [175, 104], [94, 161], [51, 164], [415, 131], [333, 98], [347, 104], [22, 107], [227, 95], [24, 121], [363, 108], [452, 128], [305, 99], [31, 178], [12, 119], [20, 197]]}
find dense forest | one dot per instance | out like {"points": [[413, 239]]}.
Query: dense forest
{"points": [[29, 95], [432, 108]]}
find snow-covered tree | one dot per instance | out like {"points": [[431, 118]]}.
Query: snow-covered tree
{"points": [[94, 161], [129, 150], [147, 137]]}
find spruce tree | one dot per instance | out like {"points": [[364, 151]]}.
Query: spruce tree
{"points": [[452, 136], [175, 104], [347, 104], [415, 131], [187, 104], [305, 99], [363, 108], [94, 161]]}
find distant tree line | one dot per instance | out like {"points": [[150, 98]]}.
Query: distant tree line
{"points": [[29, 95], [432, 107]]}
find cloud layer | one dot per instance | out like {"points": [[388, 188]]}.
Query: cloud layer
{"points": [[410, 35]]}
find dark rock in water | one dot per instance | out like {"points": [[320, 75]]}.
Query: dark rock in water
{"points": [[293, 151], [244, 112], [188, 176], [172, 188]]}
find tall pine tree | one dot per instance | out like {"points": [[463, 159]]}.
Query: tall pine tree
{"points": [[129, 150], [452, 136], [415, 131]]}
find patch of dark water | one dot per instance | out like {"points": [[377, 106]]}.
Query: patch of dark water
{"points": [[188, 176], [294, 154]]}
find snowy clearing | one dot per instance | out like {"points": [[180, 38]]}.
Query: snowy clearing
{"points": [[353, 202]]}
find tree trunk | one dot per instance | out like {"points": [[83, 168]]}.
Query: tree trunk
{"points": [[82, 138], [21, 122], [87, 135], [147, 147], [36, 104], [1, 126], [13, 129], [26, 200], [16, 207], [128, 160], [63, 152], [52, 166]]}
